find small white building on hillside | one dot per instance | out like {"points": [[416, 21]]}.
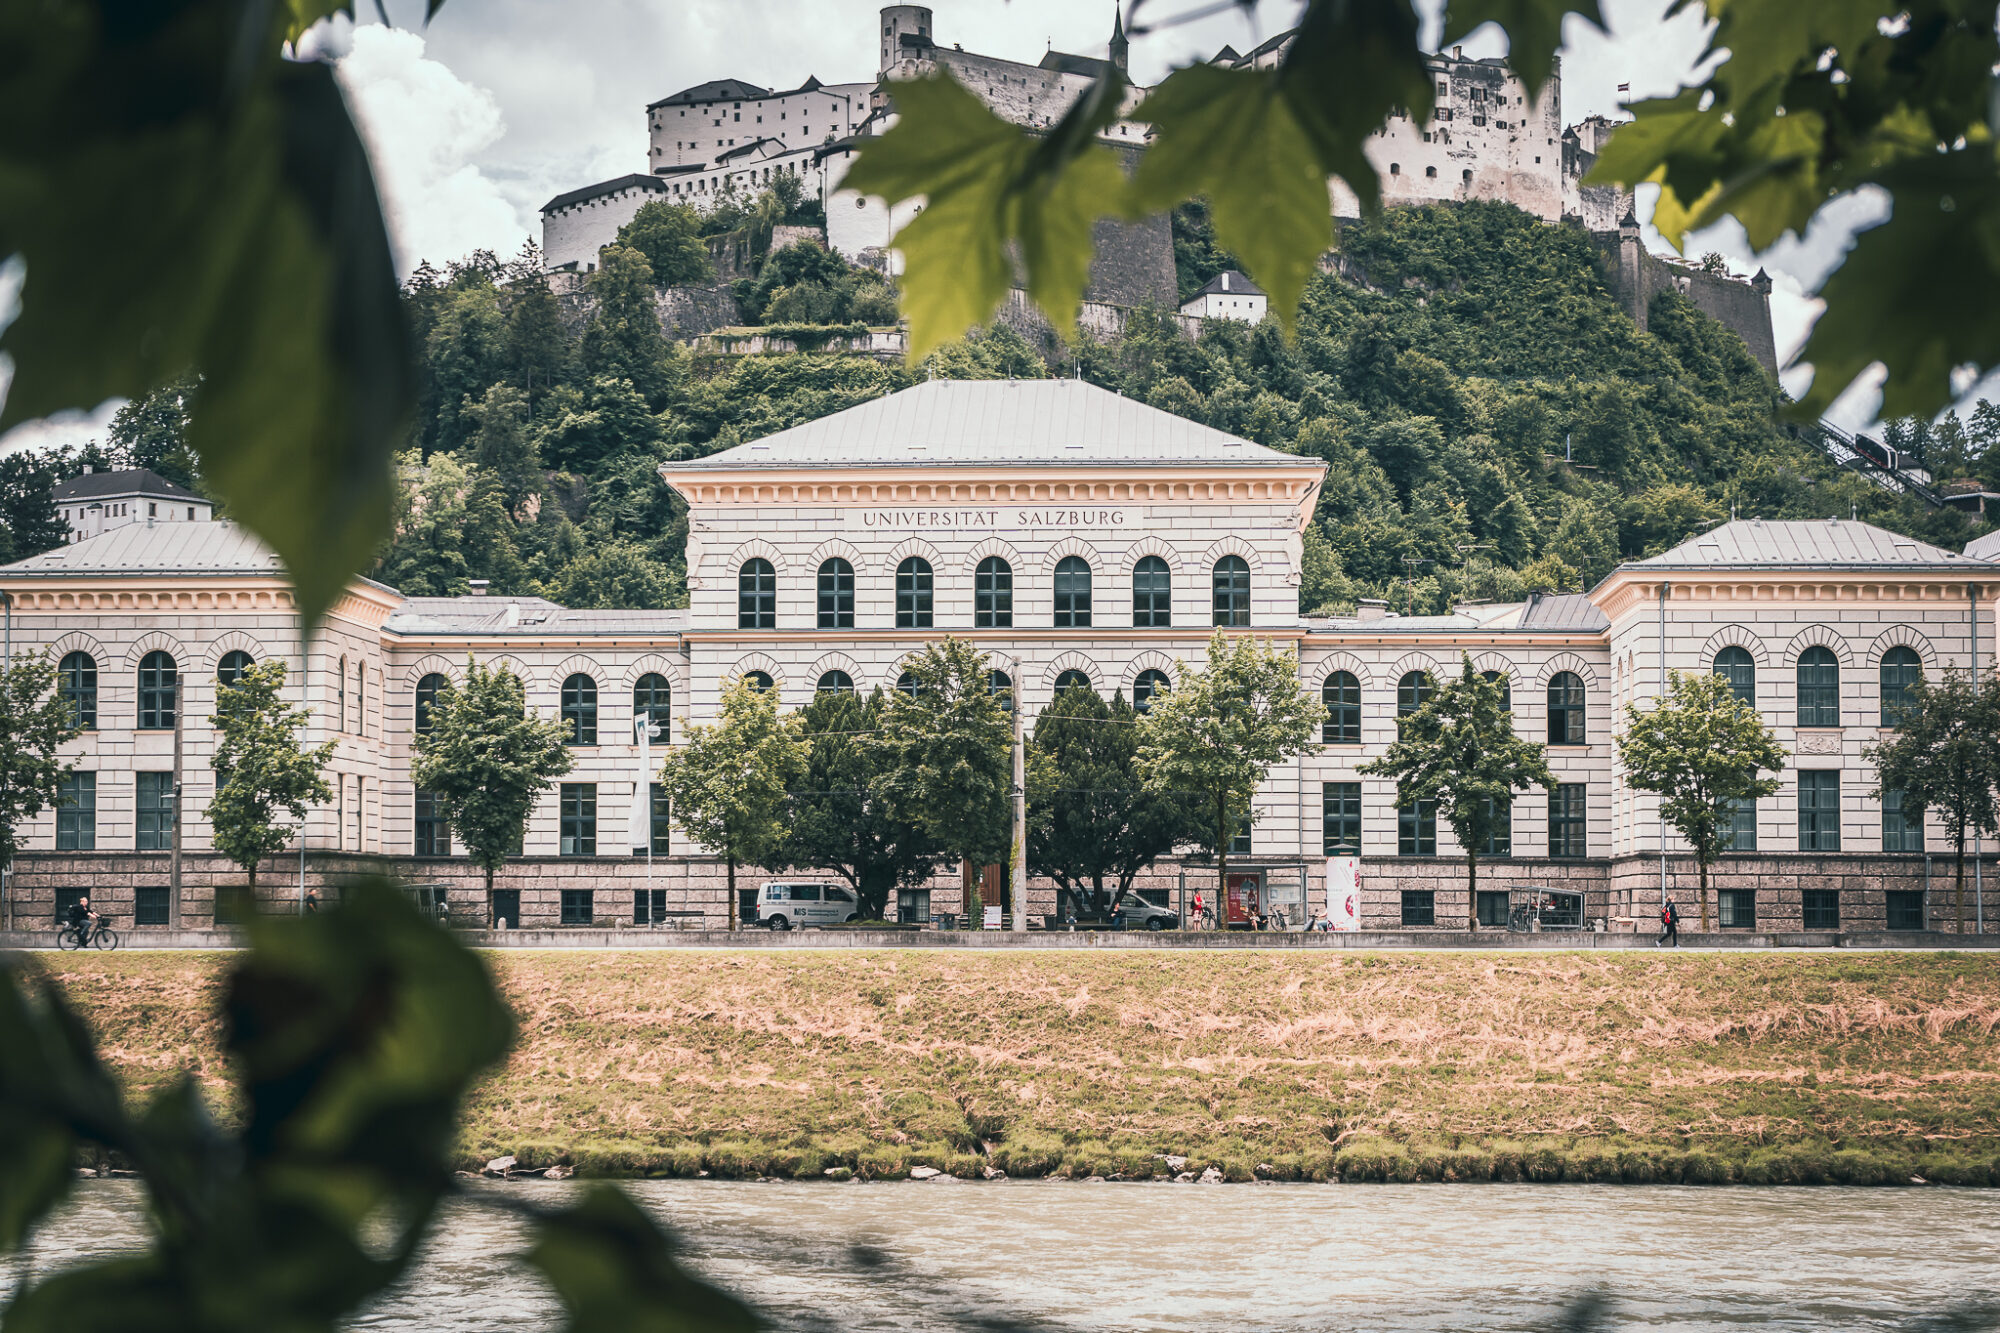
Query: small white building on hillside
{"points": [[100, 501], [1229, 295]]}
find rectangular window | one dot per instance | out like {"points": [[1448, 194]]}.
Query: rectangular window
{"points": [[576, 907], [1240, 844], [1417, 830], [1492, 907], [1340, 808], [1500, 838], [76, 814], [578, 819], [433, 837], [155, 812], [1736, 909], [1568, 833], [1902, 826], [1906, 909], [649, 907], [149, 905], [1739, 826], [1419, 907], [1820, 909], [662, 825], [1819, 811]]}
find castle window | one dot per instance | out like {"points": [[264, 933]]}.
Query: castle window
{"points": [[1430, 173], [1395, 168], [1466, 176]]}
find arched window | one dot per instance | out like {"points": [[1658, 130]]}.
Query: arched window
{"points": [[1072, 679], [757, 595], [1152, 594], [1819, 688], [993, 594], [836, 594], [1341, 694], [1073, 593], [159, 692], [340, 687], [909, 684], [579, 709], [835, 682], [653, 698], [913, 594], [1565, 709], [427, 697], [1901, 668], [1506, 687], [1001, 684], [232, 666], [1148, 684], [1232, 591], [1411, 691], [76, 679], [759, 681], [1736, 666]]}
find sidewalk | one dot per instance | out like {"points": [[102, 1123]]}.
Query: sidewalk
{"points": [[589, 938]]}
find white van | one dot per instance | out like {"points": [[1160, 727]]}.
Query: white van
{"points": [[785, 903]]}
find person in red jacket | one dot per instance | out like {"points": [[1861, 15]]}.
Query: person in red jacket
{"points": [[1670, 924]]}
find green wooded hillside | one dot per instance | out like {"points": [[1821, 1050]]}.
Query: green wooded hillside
{"points": [[1442, 373]]}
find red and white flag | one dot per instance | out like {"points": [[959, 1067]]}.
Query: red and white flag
{"points": [[1624, 87]]}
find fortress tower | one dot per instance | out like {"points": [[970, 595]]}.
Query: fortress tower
{"points": [[899, 21]]}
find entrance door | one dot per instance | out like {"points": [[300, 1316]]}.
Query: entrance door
{"points": [[506, 909], [1245, 892]]}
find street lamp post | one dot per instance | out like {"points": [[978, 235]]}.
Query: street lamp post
{"points": [[1017, 859]]}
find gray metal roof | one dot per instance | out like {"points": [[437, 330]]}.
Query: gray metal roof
{"points": [[1984, 548], [142, 548], [522, 616], [1822, 544], [130, 481], [1570, 611], [616, 185], [1045, 422], [1542, 613], [1238, 285]]}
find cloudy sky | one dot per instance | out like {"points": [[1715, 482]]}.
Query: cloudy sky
{"points": [[480, 117]]}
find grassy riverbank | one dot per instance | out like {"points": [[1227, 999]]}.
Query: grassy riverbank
{"points": [[1757, 1068]]}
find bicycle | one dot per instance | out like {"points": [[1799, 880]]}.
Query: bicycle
{"points": [[99, 935]]}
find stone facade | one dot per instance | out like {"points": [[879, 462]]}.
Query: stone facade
{"points": [[1071, 487]]}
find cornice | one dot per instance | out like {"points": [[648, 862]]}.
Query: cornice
{"points": [[366, 605], [1627, 590], [1284, 484]]}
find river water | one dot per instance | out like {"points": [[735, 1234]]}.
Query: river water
{"points": [[1059, 1255]]}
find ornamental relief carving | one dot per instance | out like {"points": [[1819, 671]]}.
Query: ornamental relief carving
{"points": [[1820, 742]]}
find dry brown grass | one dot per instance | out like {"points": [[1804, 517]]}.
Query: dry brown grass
{"points": [[1380, 1066]]}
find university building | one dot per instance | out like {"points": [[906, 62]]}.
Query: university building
{"points": [[1074, 536]]}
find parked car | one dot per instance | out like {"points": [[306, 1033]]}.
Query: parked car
{"points": [[1135, 913], [783, 904]]}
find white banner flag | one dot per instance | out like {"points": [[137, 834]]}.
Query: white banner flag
{"points": [[642, 790], [1343, 892]]}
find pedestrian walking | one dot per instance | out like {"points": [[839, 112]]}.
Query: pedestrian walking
{"points": [[312, 902], [1670, 924]]}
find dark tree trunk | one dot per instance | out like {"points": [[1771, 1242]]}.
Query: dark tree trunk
{"points": [[1221, 863], [1958, 887], [1701, 893], [731, 861], [1472, 891]]}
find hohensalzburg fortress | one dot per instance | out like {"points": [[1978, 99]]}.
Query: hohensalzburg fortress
{"points": [[1485, 140]]}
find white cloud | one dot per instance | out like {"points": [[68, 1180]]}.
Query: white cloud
{"points": [[427, 132]]}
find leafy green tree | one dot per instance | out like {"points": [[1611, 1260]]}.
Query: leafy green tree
{"points": [[502, 448], [1091, 817], [1458, 753], [669, 236], [35, 722], [1700, 750], [465, 355], [151, 431], [615, 576], [950, 755], [28, 505], [616, 420], [728, 784], [485, 761], [1214, 736], [1945, 756], [261, 769], [624, 340], [538, 352], [840, 819]]}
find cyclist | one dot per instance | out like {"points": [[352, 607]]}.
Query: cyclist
{"points": [[81, 919]]}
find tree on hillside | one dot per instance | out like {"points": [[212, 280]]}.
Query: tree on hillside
{"points": [[1458, 754], [35, 722], [1091, 816], [669, 236], [841, 818], [612, 576], [151, 431], [1945, 757], [261, 769], [623, 340], [501, 445], [485, 761], [537, 348], [28, 505], [1700, 750], [950, 749], [1215, 735], [727, 784]]}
